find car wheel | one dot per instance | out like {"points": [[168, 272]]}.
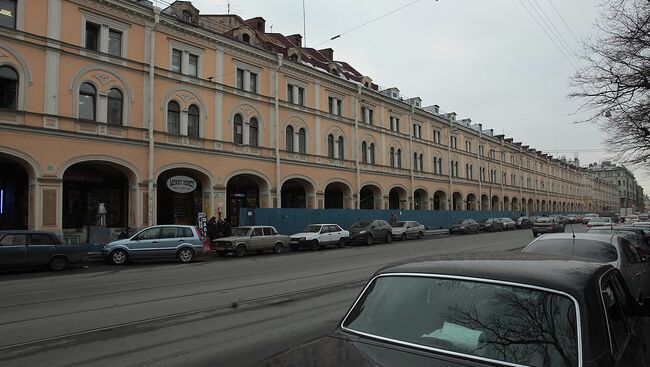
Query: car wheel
{"points": [[240, 250], [389, 237], [420, 235], [314, 245], [185, 255], [369, 240], [342, 243], [119, 257], [58, 263], [403, 237], [277, 248]]}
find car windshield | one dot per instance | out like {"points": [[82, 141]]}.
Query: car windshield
{"points": [[312, 229], [241, 232], [544, 220], [399, 224], [499, 322], [361, 224], [596, 250], [599, 220], [458, 221]]}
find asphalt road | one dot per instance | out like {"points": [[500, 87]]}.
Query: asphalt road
{"points": [[220, 312]]}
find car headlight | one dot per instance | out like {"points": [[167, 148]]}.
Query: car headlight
{"points": [[362, 232]]}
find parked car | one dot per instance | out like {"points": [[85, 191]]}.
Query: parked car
{"points": [[613, 215], [408, 229], [497, 309], [490, 225], [24, 248], [636, 236], [632, 218], [182, 242], [507, 223], [369, 231], [607, 248], [546, 225], [600, 221], [587, 217], [251, 238], [523, 222], [464, 226], [317, 236], [572, 218]]}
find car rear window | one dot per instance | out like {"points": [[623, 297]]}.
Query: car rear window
{"points": [[13, 239], [500, 322], [596, 250], [544, 220], [185, 232], [268, 231]]}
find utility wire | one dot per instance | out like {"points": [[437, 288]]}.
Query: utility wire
{"points": [[563, 21], [556, 32], [368, 22]]}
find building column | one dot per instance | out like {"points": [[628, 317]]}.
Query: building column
{"points": [[247, 80], [51, 208], [320, 200], [183, 123], [101, 114], [185, 62], [103, 39]]}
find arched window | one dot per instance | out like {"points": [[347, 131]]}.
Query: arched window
{"points": [[341, 148], [364, 152], [115, 103], [330, 146], [253, 132], [302, 141], [372, 153], [173, 118], [289, 139], [392, 157], [415, 161], [193, 122], [238, 129], [8, 88], [421, 163], [398, 158], [246, 38], [87, 100]]}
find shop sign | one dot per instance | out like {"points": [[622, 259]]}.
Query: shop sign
{"points": [[181, 184]]}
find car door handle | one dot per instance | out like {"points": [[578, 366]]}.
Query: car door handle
{"points": [[154, 241], [181, 240]]}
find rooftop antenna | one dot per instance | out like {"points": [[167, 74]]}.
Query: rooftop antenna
{"points": [[304, 25], [228, 6]]}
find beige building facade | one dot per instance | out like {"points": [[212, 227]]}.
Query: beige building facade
{"points": [[163, 113]]}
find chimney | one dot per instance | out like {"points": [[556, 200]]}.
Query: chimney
{"points": [[296, 39], [328, 53]]}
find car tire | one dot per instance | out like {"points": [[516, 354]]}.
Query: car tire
{"points": [[314, 245], [342, 243], [58, 263], [389, 237], [369, 240], [403, 237], [240, 250], [185, 255], [119, 257], [277, 248], [420, 235]]}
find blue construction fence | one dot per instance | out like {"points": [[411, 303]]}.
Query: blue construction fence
{"points": [[289, 221]]}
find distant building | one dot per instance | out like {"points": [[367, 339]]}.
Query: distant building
{"points": [[628, 190]]}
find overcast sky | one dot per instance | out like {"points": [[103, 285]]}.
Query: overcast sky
{"points": [[485, 60]]}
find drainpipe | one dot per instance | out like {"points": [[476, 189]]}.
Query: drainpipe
{"points": [[356, 146], [413, 162], [450, 199], [152, 66], [478, 158], [278, 188]]}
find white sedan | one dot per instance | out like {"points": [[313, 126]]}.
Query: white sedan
{"points": [[317, 236]]}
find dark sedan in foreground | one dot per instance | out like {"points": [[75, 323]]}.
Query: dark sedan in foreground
{"points": [[499, 309]]}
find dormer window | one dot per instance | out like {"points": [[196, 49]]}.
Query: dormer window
{"points": [[187, 16], [246, 38]]}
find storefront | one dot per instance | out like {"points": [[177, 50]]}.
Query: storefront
{"points": [[13, 195], [179, 197]]}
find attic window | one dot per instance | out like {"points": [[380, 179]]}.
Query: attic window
{"points": [[334, 71], [246, 38], [366, 84], [187, 16], [293, 57]]}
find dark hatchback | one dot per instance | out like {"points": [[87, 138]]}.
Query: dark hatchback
{"points": [[371, 231], [498, 309]]}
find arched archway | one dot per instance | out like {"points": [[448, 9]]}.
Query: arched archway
{"points": [[297, 193], [457, 201], [15, 201], [337, 196], [370, 197], [485, 202], [530, 206], [182, 193], [397, 198], [89, 184], [439, 200], [420, 199], [495, 203], [506, 203], [543, 206], [472, 203], [515, 205], [245, 190]]}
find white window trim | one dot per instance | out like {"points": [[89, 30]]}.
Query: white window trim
{"points": [[186, 49], [297, 83], [105, 22]]}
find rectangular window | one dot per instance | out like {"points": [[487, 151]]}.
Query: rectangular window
{"points": [[452, 141], [290, 93], [480, 150], [92, 36], [193, 66], [330, 104], [436, 136], [417, 131], [240, 78], [468, 146], [8, 13], [394, 124], [115, 43], [301, 96], [339, 105], [177, 59], [253, 83]]}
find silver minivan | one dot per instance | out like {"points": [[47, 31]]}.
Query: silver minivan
{"points": [[182, 242]]}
